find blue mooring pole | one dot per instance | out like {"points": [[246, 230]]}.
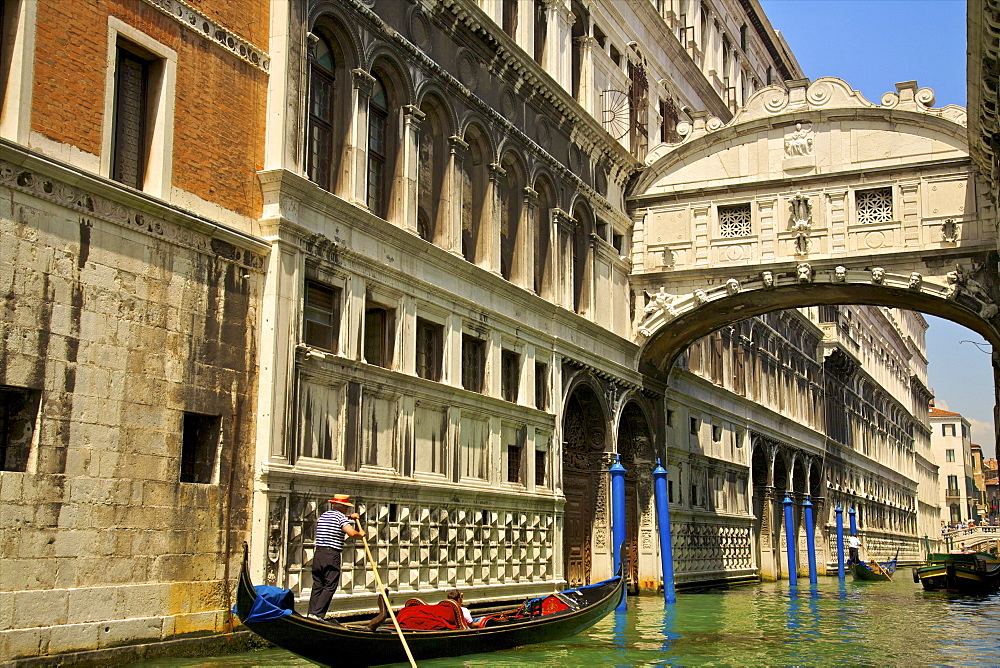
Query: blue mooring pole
{"points": [[810, 540], [618, 518], [840, 542], [793, 577], [663, 524], [854, 521]]}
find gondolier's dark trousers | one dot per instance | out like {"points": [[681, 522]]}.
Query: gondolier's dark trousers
{"points": [[326, 577]]}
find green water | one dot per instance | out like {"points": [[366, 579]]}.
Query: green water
{"points": [[873, 624]]}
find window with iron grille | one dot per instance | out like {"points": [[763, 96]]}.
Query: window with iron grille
{"points": [[510, 375], [18, 413], [735, 220], [430, 338], [874, 206], [380, 330], [199, 446], [541, 457], [321, 315], [473, 363], [128, 153], [320, 130]]}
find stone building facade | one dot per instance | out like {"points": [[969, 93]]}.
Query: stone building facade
{"points": [[258, 253], [130, 322], [951, 440]]}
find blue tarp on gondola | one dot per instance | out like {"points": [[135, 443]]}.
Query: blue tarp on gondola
{"points": [[271, 603]]}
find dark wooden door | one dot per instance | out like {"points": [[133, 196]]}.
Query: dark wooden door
{"points": [[631, 550], [576, 532]]}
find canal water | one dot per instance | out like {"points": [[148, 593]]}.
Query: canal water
{"points": [[873, 624]]}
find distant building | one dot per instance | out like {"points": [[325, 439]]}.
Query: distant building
{"points": [[952, 446]]}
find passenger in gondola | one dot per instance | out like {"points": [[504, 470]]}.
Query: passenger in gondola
{"points": [[456, 596]]}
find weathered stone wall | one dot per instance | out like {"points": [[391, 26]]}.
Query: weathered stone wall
{"points": [[120, 316]]}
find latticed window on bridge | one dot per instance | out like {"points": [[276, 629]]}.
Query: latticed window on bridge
{"points": [[874, 206], [735, 220]]}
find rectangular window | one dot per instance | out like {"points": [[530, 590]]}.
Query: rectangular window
{"points": [[129, 151], [670, 491], [541, 386], [874, 206], [949, 455], [513, 441], [670, 417], [18, 414], [953, 485], [694, 426], [965, 431], [947, 430], [510, 375], [694, 494], [379, 415], [380, 334], [473, 363], [541, 460], [199, 447], [430, 431], [716, 433], [828, 314], [735, 220], [321, 314], [430, 348], [509, 18]]}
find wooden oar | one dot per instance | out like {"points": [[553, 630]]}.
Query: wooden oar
{"points": [[385, 596]]}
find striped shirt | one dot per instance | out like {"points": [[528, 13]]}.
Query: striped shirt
{"points": [[330, 529]]}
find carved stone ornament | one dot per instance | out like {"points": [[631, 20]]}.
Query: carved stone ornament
{"points": [[732, 287], [660, 300], [669, 259], [804, 273], [840, 274], [800, 141], [950, 230], [989, 311], [916, 281], [767, 278], [878, 275], [700, 296]]}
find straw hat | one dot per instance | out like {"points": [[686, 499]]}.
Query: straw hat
{"points": [[342, 499]]}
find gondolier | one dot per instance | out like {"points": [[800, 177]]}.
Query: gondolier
{"points": [[330, 530]]}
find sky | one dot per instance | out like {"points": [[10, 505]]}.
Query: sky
{"points": [[873, 44]]}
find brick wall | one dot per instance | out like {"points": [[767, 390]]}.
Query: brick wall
{"points": [[219, 105]]}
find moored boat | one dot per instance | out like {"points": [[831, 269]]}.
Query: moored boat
{"points": [[965, 573], [356, 644], [873, 571]]}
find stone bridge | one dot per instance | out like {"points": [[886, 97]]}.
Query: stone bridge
{"points": [[973, 538], [812, 195]]}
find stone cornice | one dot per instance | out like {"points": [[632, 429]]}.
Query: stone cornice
{"points": [[213, 31], [96, 197]]}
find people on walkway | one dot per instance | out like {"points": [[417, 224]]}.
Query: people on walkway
{"points": [[330, 530], [853, 547]]}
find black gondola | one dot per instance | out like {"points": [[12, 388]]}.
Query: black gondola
{"points": [[354, 644]]}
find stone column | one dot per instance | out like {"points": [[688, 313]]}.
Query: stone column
{"points": [[768, 565], [523, 271], [452, 354], [452, 238], [412, 120], [586, 96], [353, 318], [563, 227], [489, 232], [558, 57], [406, 340], [364, 83]]}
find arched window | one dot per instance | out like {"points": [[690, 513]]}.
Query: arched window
{"points": [[319, 156], [546, 200], [474, 181], [431, 170], [378, 117], [582, 254]]}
